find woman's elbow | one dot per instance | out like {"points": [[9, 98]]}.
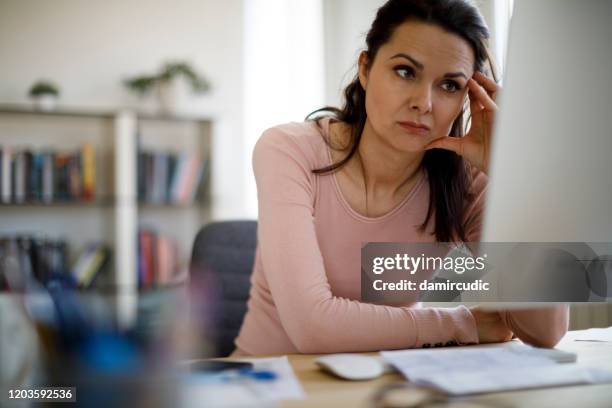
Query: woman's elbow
{"points": [[550, 340], [309, 339], [316, 332], [307, 332], [553, 332]]}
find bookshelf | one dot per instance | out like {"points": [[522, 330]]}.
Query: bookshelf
{"points": [[117, 212]]}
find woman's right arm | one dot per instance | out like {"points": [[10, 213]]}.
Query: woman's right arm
{"points": [[315, 320]]}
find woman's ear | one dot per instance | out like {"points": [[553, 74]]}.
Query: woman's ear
{"points": [[364, 67]]}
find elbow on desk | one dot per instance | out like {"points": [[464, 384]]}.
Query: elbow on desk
{"points": [[549, 340], [312, 338], [548, 328], [308, 346]]}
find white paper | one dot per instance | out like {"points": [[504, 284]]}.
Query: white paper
{"points": [[246, 393], [286, 386], [595, 334], [494, 380], [469, 370]]}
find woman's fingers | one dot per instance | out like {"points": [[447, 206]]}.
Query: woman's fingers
{"points": [[486, 82], [475, 106], [454, 144], [481, 95]]}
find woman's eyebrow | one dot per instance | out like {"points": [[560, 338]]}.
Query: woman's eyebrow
{"points": [[420, 66], [455, 74], [409, 58]]}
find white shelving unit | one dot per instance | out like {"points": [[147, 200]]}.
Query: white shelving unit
{"points": [[115, 215]]}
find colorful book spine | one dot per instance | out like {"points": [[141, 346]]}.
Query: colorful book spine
{"points": [[20, 177], [170, 178], [33, 258], [45, 176], [158, 261], [90, 264], [7, 158], [89, 171]]}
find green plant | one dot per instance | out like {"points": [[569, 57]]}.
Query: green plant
{"points": [[43, 87], [142, 84], [175, 69]]}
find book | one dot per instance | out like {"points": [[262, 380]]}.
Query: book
{"points": [[19, 180], [35, 178], [7, 189], [47, 178], [160, 177], [176, 184], [90, 264], [146, 253], [89, 171]]}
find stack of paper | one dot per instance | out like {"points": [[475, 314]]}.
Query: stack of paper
{"points": [[470, 370], [595, 334]]}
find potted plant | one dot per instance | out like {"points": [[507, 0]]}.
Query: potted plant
{"points": [[141, 86], [176, 82], [44, 94]]}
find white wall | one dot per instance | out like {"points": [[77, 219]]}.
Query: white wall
{"points": [[346, 23], [88, 47]]}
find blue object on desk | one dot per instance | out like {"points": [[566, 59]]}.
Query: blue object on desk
{"points": [[259, 375], [247, 374]]}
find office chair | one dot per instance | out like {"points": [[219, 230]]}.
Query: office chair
{"points": [[224, 253]]}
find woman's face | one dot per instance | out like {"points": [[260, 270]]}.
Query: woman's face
{"points": [[417, 84]]}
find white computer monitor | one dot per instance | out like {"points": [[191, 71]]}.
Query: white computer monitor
{"points": [[551, 173]]}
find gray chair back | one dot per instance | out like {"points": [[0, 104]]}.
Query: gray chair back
{"points": [[226, 251]]}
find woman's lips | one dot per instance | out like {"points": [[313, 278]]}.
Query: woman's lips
{"points": [[415, 128]]}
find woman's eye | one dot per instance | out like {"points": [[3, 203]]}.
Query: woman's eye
{"points": [[450, 86], [404, 72]]}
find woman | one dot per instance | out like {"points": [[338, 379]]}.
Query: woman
{"points": [[392, 165]]}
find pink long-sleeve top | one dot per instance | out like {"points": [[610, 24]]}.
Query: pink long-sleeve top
{"points": [[306, 281]]}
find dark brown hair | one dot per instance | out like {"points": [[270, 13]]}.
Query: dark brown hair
{"points": [[448, 174]]}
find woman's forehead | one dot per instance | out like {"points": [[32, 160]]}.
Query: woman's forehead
{"points": [[431, 45]]}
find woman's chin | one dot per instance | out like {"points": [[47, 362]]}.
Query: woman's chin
{"points": [[412, 144]]}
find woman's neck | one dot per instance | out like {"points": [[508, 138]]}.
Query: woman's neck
{"points": [[385, 170]]}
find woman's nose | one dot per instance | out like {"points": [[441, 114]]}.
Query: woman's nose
{"points": [[420, 100]]}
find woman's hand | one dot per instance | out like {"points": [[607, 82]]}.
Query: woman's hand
{"points": [[475, 146], [491, 328]]}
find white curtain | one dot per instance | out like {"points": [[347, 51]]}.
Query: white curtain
{"points": [[502, 15], [283, 69]]}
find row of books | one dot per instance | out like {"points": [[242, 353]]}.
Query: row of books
{"points": [[171, 178], [25, 260], [158, 259], [46, 176]]}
